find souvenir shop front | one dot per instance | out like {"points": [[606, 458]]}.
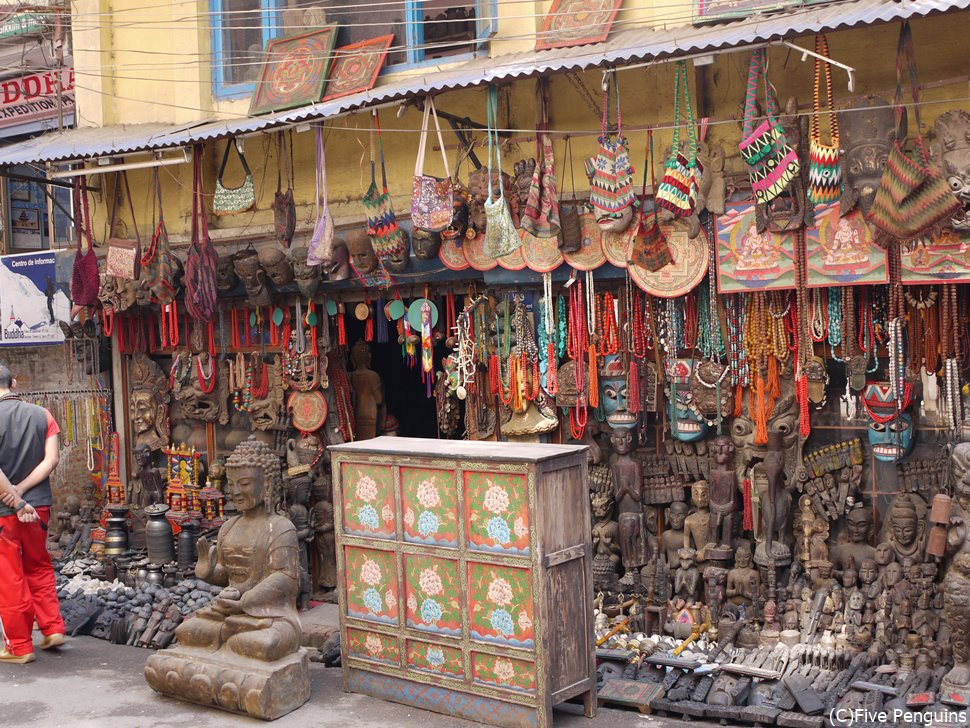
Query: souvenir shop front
{"points": [[759, 328]]}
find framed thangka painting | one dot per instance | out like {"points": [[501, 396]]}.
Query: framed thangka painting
{"points": [[294, 71], [355, 67], [944, 258], [748, 260], [840, 251], [576, 22]]}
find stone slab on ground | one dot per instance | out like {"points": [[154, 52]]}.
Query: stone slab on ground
{"points": [[319, 623]]}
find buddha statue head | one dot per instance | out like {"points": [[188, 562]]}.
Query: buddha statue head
{"points": [[277, 264], [362, 255], [905, 527], [676, 514], [307, 276], [253, 474], [742, 557], [858, 525]]}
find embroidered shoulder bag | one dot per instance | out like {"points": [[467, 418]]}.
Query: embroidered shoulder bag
{"points": [[284, 206], [611, 187], [501, 237], [772, 163], [650, 248], [85, 277], [385, 234], [202, 261], [677, 192], [156, 263], [234, 200], [913, 198], [322, 237], [541, 215], [431, 197], [824, 169], [124, 255]]}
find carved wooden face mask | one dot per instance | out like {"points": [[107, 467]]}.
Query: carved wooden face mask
{"points": [[868, 128], [426, 244], [307, 276], [397, 261], [226, 278], [253, 277], [277, 265], [952, 149], [361, 252]]}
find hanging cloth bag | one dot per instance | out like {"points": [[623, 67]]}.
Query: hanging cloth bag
{"points": [[772, 163], [611, 187], [322, 237], [824, 169], [570, 226], [85, 278], [677, 192], [501, 237], [913, 198], [541, 215], [202, 261], [650, 248], [124, 255], [386, 235], [432, 198], [234, 200], [156, 263], [284, 206]]}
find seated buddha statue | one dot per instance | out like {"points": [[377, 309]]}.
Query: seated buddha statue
{"points": [[257, 561]]}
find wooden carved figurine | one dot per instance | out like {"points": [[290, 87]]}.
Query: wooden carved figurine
{"points": [[697, 527], [627, 472], [148, 402], [672, 539], [956, 584], [905, 527], [606, 541], [722, 494], [367, 392], [687, 578], [743, 581], [858, 527]]}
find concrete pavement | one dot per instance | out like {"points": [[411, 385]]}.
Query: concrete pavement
{"points": [[90, 683]]}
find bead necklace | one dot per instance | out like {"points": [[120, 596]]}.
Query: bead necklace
{"points": [[548, 331], [835, 320], [709, 338], [562, 321], [638, 334], [953, 396], [689, 305], [258, 390], [207, 382], [819, 316], [341, 395], [609, 339], [737, 355], [897, 359]]}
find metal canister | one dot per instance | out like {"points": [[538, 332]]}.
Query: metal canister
{"points": [[116, 532], [158, 533]]}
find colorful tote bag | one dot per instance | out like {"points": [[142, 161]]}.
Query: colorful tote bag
{"points": [[824, 168], [202, 261], [233, 200], [772, 163], [382, 226], [124, 255], [677, 192], [322, 236], [541, 215], [431, 197], [651, 250], [501, 237], [611, 185], [913, 198]]}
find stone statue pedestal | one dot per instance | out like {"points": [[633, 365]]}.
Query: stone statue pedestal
{"points": [[223, 679]]}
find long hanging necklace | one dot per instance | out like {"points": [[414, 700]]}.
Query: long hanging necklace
{"points": [[576, 346], [548, 330]]}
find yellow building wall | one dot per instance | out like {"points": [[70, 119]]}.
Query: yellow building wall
{"points": [[646, 98]]}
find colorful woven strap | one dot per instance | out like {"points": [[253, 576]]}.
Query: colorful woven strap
{"points": [[758, 70], [823, 70], [906, 57], [491, 107]]}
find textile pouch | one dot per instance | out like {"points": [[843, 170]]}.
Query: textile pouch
{"points": [[677, 192], [541, 215], [432, 198], [234, 200], [85, 277], [651, 251], [322, 237], [611, 183], [501, 237], [386, 235], [772, 163], [124, 256], [202, 261], [824, 167], [284, 206]]}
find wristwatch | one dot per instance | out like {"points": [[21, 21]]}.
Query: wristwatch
{"points": [[20, 506]]}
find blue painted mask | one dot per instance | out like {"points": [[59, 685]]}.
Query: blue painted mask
{"points": [[893, 440], [685, 424], [612, 388]]}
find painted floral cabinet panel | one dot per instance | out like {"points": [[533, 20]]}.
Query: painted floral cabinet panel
{"points": [[368, 500], [429, 499], [435, 659], [373, 646], [497, 512], [503, 672], [432, 590], [371, 582], [500, 602]]}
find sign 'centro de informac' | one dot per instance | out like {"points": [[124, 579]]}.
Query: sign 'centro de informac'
{"points": [[34, 97]]}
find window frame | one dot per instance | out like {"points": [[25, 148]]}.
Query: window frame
{"points": [[271, 11]]}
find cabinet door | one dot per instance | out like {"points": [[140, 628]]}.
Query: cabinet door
{"points": [[500, 671], [429, 499], [368, 493], [497, 512], [435, 659], [432, 594], [500, 604], [371, 585], [374, 646]]}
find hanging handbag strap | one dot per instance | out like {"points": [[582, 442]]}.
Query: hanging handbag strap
{"points": [[823, 72], [429, 110], [492, 121], [572, 177], [682, 103], [906, 62], [375, 139], [225, 159], [648, 162], [321, 178], [611, 84], [131, 208], [280, 161], [758, 71], [82, 215], [157, 219]]}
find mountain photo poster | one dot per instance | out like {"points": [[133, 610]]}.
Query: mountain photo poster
{"points": [[31, 300]]}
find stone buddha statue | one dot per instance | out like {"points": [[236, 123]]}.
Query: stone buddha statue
{"points": [[743, 581], [905, 527], [858, 527], [367, 393], [242, 653]]}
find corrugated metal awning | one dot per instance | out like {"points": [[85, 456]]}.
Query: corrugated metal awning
{"points": [[624, 47]]}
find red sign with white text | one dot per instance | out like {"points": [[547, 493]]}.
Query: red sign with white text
{"points": [[29, 98]]}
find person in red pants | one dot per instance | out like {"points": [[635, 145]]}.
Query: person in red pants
{"points": [[28, 455]]}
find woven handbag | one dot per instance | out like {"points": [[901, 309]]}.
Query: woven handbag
{"points": [[650, 248], [541, 215], [156, 263], [233, 200], [611, 183], [677, 192], [202, 261], [501, 237], [85, 278], [322, 237], [772, 163], [284, 206], [124, 255], [824, 166], [431, 197], [913, 199], [382, 226], [570, 228]]}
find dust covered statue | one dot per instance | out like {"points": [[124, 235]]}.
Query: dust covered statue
{"points": [[242, 653]]}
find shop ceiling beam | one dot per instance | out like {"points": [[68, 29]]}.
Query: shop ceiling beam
{"points": [[104, 165], [39, 180]]}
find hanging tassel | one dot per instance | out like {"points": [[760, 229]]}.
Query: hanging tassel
{"points": [[761, 413], [341, 326], [748, 524], [594, 389], [738, 400], [804, 412], [633, 389], [774, 381]]}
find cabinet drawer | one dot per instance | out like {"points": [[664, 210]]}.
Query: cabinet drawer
{"points": [[429, 499], [500, 605], [432, 589], [371, 585], [368, 495], [497, 512], [503, 672], [435, 659], [373, 646]]}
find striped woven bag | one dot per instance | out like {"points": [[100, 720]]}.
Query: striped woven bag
{"points": [[382, 226], [677, 192], [913, 199], [824, 169], [611, 184], [772, 163]]}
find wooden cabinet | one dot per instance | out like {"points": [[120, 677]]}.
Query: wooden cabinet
{"points": [[465, 576]]}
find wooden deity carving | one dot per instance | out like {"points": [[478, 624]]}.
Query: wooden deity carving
{"points": [[672, 539], [956, 584], [242, 653], [266, 412], [723, 488], [782, 420], [190, 390], [905, 526], [952, 151], [858, 528], [148, 402], [697, 526], [606, 540], [867, 127], [627, 483], [367, 392]]}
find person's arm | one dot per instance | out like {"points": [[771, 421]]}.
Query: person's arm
{"points": [[10, 497], [52, 457]]}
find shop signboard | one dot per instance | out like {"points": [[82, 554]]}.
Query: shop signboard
{"points": [[23, 24], [706, 11], [32, 302], [34, 97]]}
